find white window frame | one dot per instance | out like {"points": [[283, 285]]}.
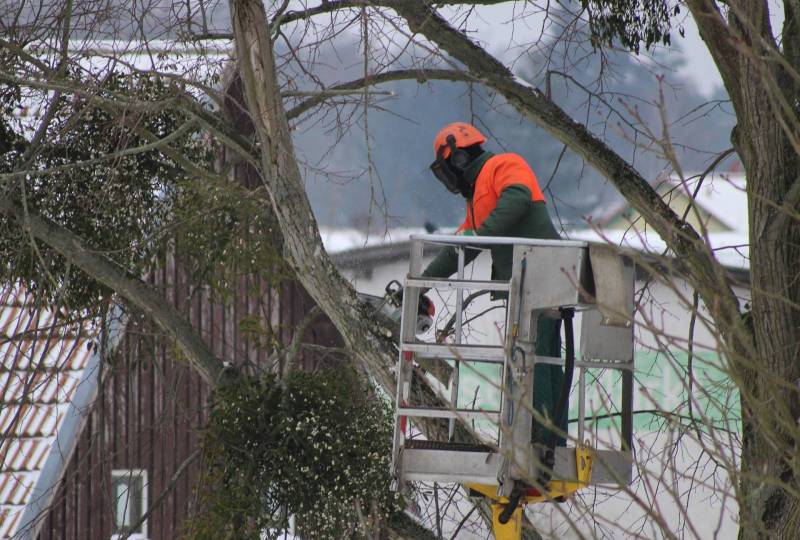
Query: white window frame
{"points": [[129, 474]]}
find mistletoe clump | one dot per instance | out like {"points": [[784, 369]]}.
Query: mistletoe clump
{"points": [[315, 446], [104, 173], [631, 22]]}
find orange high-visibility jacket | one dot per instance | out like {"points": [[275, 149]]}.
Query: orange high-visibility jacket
{"points": [[498, 173]]}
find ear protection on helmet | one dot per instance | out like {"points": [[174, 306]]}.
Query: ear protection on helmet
{"points": [[445, 172], [458, 158]]}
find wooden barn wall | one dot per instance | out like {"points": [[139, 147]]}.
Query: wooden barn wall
{"points": [[151, 406]]}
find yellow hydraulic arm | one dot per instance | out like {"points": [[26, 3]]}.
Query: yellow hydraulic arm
{"points": [[555, 490]]}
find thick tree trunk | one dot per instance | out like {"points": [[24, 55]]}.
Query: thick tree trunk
{"points": [[745, 52], [769, 486], [302, 243], [769, 386]]}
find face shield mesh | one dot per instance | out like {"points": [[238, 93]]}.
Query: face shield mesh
{"points": [[445, 174]]}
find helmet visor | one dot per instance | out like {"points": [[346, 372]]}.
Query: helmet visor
{"points": [[445, 174]]}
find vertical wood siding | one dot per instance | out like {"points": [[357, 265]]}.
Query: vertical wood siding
{"points": [[151, 406]]}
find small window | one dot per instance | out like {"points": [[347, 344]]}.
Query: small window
{"points": [[129, 503]]}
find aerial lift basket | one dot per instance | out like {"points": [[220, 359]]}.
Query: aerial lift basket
{"points": [[549, 279]]}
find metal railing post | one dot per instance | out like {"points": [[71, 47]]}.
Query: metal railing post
{"points": [[404, 368], [459, 336], [581, 403]]}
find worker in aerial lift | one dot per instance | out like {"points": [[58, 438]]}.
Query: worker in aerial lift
{"points": [[503, 198]]}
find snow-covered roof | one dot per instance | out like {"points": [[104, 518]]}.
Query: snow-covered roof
{"points": [[48, 377], [341, 240], [722, 196], [730, 248]]}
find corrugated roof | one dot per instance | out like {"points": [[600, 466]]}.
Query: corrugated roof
{"points": [[42, 362]]}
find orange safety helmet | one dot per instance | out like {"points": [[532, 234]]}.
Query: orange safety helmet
{"points": [[464, 134]]}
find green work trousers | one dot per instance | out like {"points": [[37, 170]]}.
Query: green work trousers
{"points": [[547, 381]]}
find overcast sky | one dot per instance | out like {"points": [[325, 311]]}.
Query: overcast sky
{"points": [[699, 65], [493, 27]]}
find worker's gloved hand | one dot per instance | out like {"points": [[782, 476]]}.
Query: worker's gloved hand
{"points": [[425, 313]]}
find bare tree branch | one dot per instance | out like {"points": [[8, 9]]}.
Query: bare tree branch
{"points": [[420, 75], [126, 285], [125, 533]]}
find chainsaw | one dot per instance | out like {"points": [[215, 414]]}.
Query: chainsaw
{"points": [[389, 309], [390, 305]]}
